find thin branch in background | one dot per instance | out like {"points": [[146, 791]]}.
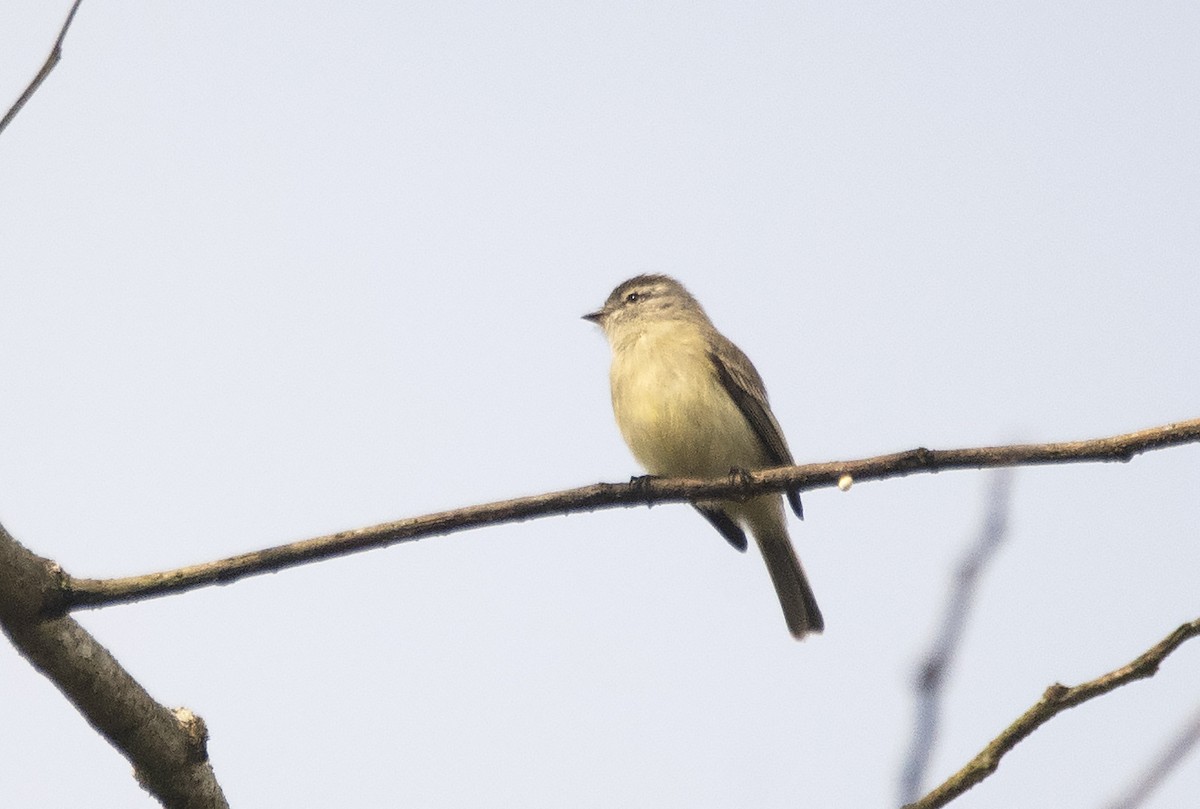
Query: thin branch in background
{"points": [[80, 592], [933, 671], [51, 61], [1056, 700], [1187, 739]]}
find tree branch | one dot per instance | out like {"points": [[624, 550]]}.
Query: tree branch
{"points": [[51, 61], [101, 592], [167, 748], [934, 668], [1183, 744], [1056, 700]]}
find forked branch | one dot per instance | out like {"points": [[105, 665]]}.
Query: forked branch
{"points": [[1056, 700]]}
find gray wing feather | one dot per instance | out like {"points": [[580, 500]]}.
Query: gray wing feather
{"points": [[724, 524], [743, 384]]}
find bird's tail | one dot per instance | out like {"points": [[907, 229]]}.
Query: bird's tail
{"points": [[800, 608]]}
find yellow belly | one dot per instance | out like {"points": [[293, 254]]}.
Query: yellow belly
{"points": [[673, 412]]}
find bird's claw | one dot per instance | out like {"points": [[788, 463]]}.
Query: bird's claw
{"points": [[640, 484]]}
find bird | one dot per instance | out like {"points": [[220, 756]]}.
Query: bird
{"points": [[690, 403]]}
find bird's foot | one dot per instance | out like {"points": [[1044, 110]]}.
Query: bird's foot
{"points": [[640, 485], [740, 477]]}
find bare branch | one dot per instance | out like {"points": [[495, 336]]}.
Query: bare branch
{"points": [[167, 748], [100, 592], [1056, 700], [936, 665], [1183, 743], [51, 61]]}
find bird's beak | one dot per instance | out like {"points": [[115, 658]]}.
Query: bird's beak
{"points": [[596, 317]]}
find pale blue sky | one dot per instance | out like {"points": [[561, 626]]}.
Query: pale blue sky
{"points": [[273, 270]]}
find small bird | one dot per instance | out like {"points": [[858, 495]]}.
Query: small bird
{"points": [[689, 403]]}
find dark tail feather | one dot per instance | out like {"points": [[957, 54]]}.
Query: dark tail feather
{"points": [[800, 608]]}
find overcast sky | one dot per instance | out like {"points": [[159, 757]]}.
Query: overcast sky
{"points": [[271, 270]]}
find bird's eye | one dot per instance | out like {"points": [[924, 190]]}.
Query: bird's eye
{"points": [[633, 297]]}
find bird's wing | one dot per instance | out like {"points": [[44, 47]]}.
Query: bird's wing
{"points": [[724, 524], [743, 384]]}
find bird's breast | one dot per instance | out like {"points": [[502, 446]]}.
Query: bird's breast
{"points": [[672, 410]]}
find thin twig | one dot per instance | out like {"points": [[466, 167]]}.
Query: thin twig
{"points": [[936, 665], [1056, 700], [51, 61], [1184, 742], [100, 592]]}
